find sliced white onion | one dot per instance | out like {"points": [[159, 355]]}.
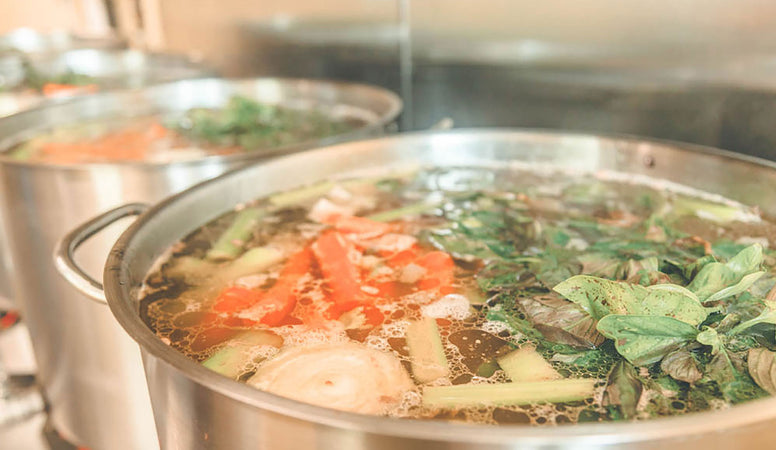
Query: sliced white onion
{"points": [[344, 376]]}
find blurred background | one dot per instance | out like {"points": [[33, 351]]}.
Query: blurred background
{"points": [[701, 71]]}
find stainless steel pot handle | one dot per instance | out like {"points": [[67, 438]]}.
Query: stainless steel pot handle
{"points": [[64, 251]]}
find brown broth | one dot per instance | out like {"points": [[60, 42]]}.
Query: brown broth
{"points": [[483, 219]]}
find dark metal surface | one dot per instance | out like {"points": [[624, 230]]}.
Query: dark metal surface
{"points": [[722, 97]]}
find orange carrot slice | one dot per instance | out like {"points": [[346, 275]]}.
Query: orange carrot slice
{"points": [[340, 274]]}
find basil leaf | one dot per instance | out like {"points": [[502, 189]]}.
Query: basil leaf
{"points": [[600, 264], [561, 321], [762, 368], [681, 365], [555, 266], [768, 315], [459, 246], [716, 281], [623, 389], [600, 297], [500, 276], [671, 300], [745, 283], [725, 369], [633, 266], [747, 260], [645, 340], [710, 337]]}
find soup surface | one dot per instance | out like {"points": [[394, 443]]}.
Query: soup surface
{"points": [[486, 296], [242, 125]]}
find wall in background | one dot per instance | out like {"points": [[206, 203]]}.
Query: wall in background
{"points": [[702, 71], [79, 16]]}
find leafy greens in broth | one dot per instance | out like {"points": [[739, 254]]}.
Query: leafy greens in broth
{"points": [[487, 296], [242, 125]]}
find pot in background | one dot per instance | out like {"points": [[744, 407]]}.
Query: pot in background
{"points": [[89, 369], [28, 40], [111, 69]]}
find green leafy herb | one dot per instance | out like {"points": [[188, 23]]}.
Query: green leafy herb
{"points": [[623, 389], [645, 340], [561, 321], [682, 366], [250, 124], [762, 368], [600, 297], [717, 281], [768, 315]]}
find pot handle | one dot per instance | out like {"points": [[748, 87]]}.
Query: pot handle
{"points": [[64, 251]]}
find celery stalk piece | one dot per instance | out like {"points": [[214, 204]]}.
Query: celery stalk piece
{"points": [[426, 351], [526, 364], [252, 261], [405, 211], [231, 242], [232, 359], [306, 193], [191, 269], [507, 394], [302, 194]]}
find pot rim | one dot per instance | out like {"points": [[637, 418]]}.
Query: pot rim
{"points": [[393, 101], [120, 300]]}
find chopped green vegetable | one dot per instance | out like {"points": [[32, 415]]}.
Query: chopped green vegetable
{"points": [[230, 244], [238, 353], [525, 364], [252, 261], [425, 346], [302, 194], [506, 394]]}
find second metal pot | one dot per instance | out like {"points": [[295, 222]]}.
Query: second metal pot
{"points": [[90, 370]]}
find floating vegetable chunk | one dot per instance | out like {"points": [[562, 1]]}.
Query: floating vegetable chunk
{"points": [[488, 296], [346, 376], [526, 364]]}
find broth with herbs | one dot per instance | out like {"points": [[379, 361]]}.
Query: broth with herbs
{"points": [[487, 296], [243, 125]]}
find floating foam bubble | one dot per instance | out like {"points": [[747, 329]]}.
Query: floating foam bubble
{"points": [[453, 306]]}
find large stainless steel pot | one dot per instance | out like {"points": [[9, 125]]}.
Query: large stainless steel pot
{"points": [[111, 68], [90, 370], [195, 408]]}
